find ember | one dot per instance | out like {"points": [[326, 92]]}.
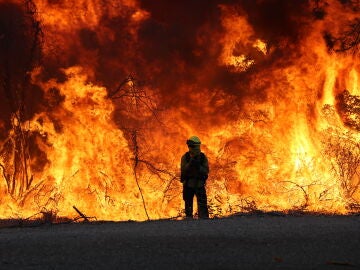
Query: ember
{"points": [[99, 97]]}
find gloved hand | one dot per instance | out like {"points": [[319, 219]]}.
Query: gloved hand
{"points": [[195, 161]]}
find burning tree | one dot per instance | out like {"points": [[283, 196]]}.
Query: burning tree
{"points": [[348, 40], [20, 50], [349, 108], [138, 108], [342, 148], [343, 151]]}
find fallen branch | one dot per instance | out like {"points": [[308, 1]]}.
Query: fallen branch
{"points": [[81, 214]]}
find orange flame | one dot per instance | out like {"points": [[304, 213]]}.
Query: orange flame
{"points": [[267, 108]]}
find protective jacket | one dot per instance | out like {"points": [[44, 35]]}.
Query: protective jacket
{"points": [[194, 170]]}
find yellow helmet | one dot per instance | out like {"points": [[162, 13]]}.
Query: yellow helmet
{"points": [[193, 140]]}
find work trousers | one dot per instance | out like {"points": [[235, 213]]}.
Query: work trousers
{"points": [[188, 196]]}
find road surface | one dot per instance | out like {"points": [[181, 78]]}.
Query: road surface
{"points": [[239, 242]]}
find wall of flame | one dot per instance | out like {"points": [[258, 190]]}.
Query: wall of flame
{"points": [[120, 85]]}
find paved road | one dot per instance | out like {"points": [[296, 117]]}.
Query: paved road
{"points": [[245, 242]]}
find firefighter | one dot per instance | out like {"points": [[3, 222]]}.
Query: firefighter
{"points": [[194, 173]]}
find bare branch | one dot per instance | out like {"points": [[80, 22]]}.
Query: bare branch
{"points": [[120, 89], [348, 41], [306, 195], [343, 152], [136, 162]]}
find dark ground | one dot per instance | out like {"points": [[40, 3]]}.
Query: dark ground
{"points": [[239, 242]]}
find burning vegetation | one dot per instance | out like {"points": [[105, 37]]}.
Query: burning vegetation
{"points": [[98, 98]]}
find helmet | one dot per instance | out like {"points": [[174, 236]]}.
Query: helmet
{"points": [[193, 140]]}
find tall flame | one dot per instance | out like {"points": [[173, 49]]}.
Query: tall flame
{"points": [[270, 87]]}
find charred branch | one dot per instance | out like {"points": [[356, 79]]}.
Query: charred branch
{"points": [[37, 36], [248, 204], [160, 174], [306, 195], [29, 191], [15, 161], [135, 166], [107, 197], [81, 214], [133, 101], [348, 41], [344, 156], [119, 91], [349, 107]]}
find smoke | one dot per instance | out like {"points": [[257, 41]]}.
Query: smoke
{"points": [[19, 53], [177, 46], [173, 48]]}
